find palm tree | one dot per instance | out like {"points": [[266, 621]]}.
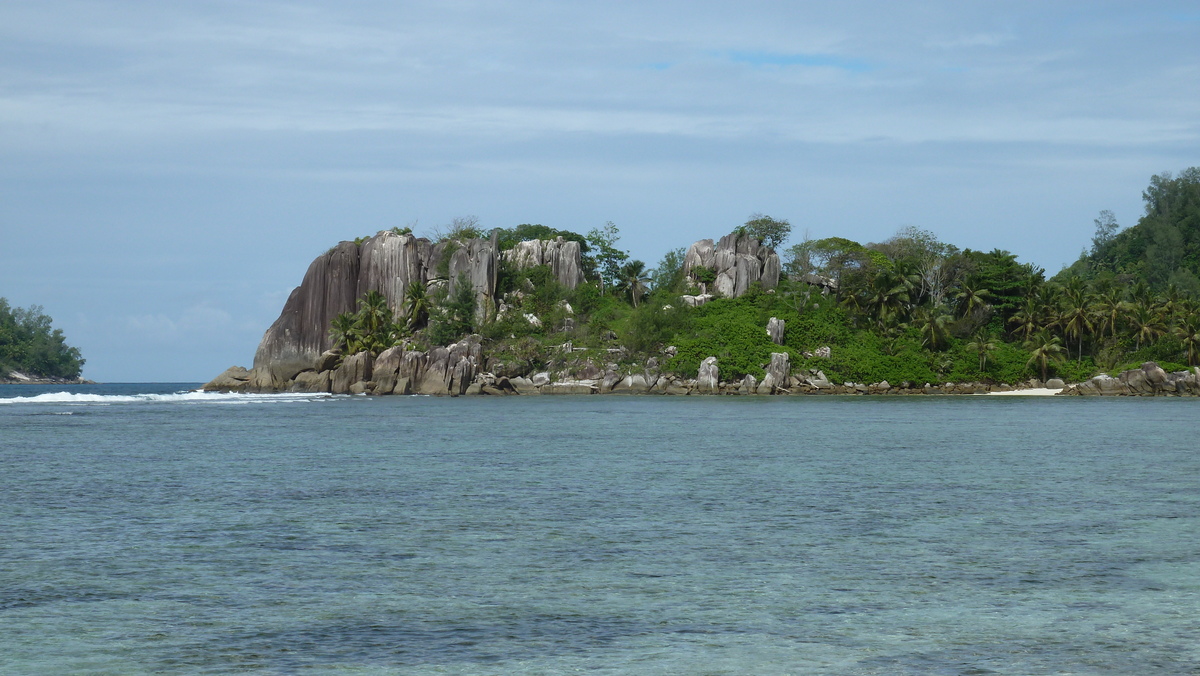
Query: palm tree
{"points": [[970, 297], [634, 280], [1027, 319], [1146, 323], [1076, 317], [983, 345], [344, 330], [890, 294], [416, 304], [1110, 306], [1045, 349], [375, 322], [1188, 331], [934, 333]]}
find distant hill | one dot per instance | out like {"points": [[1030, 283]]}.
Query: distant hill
{"points": [[1163, 249]]}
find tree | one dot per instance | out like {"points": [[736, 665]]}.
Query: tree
{"points": [[608, 257], [416, 304], [1146, 323], [1076, 317], [983, 345], [633, 280], [1045, 349], [668, 276], [934, 333], [970, 297], [460, 228], [769, 231], [1106, 230], [1188, 332]]}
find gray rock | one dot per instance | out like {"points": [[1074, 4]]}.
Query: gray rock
{"points": [[775, 329], [354, 369], [334, 282], [1055, 384], [540, 379], [232, 379], [562, 256], [311, 381], [738, 260], [708, 380]]}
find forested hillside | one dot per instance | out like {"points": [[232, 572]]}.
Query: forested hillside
{"points": [[30, 345]]}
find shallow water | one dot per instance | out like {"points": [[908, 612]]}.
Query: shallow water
{"points": [[152, 532]]}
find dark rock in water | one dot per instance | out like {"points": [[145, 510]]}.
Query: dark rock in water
{"points": [[356, 368], [1148, 380], [312, 381], [233, 379]]}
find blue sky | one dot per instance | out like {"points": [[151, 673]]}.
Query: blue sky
{"points": [[170, 169]]}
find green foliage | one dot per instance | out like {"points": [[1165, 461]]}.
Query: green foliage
{"points": [[510, 237], [769, 231], [704, 274], [460, 229], [29, 343], [606, 258], [453, 315], [373, 328], [668, 276]]}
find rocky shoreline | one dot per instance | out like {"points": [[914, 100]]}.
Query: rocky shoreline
{"points": [[18, 378], [460, 370]]}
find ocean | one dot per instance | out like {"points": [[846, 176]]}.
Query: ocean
{"points": [[150, 529]]}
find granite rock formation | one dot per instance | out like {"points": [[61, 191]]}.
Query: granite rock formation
{"points": [[1149, 380], [562, 256], [738, 260]]}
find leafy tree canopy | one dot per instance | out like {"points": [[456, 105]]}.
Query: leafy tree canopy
{"points": [[771, 232], [29, 343]]}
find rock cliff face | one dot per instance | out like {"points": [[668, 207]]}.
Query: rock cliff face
{"points": [[563, 257], [739, 260], [386, 263]]}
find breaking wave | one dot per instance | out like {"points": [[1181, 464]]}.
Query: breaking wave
{"points": [[188, 397]]}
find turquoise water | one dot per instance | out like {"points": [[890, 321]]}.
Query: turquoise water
{"points": [[191, 533]]}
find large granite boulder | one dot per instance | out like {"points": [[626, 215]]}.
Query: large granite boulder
{"points": [[356, 368], [232, 379], [738, 260], [775, 329], [387, 263], [708, 380], [564, 257]]}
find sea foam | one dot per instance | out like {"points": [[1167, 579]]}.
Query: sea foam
{"points": [[187, 397]]}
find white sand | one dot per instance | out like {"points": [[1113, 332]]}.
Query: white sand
{"points": [[1031, 392]]}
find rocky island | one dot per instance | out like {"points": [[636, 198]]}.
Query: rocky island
{"points": [[534, 310]]}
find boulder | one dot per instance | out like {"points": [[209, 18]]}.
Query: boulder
{"points": [[386, 370], [738, 260], [388, 263], [232, 379], [775, 329], [311, 381], [563, 257], [707, 381], [354, 369]]}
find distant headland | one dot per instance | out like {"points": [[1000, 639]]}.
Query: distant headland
{"points": [[538, 310]]}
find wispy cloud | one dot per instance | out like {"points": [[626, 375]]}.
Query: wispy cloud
{"points": [[760, 59]]}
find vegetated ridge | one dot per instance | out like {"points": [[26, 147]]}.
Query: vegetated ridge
{"points": [[31, 350], [536, 309]]}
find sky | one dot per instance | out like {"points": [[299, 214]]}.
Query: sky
{"points": [[170, 169]]}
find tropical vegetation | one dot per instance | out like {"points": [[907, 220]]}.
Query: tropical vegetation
{"points": [[908, 309], [31, 345]]}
